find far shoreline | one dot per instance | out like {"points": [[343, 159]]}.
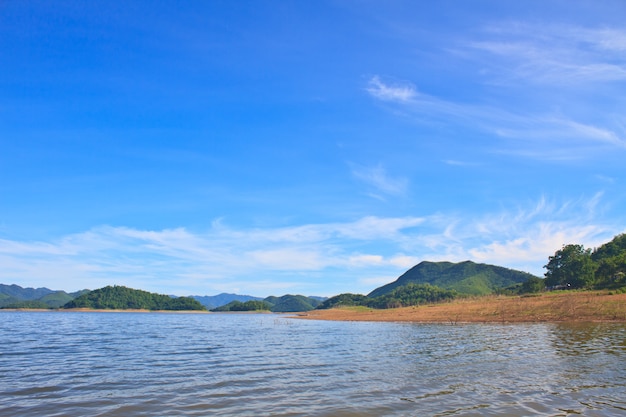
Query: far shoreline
{"points": [[548, 307], [551, 307]]}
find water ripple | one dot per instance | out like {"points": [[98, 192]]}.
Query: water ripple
{"points": [[104, 364]]}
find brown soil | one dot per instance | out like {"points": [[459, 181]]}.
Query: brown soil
{"points": [[548, 307]]}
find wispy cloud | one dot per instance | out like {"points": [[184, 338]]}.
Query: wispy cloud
{"points": [[521, 238], [554, 54], [402, 92], [454, 162], [323, 258], [553, 99], [516, 132], [378, 178], [179, 259]]}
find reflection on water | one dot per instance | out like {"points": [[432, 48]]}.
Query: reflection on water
{"points": [[110, 364], [577, 339]]}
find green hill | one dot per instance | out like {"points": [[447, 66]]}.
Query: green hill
{"points": [[123, 298], [410, 294], [344, 300], [250, 305], [56, 299], [292, 303], [285, 304], [14, 296], [6, 300], [464, 277]]}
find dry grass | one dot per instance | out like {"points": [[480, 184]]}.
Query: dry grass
{"points": [[548, 307]]}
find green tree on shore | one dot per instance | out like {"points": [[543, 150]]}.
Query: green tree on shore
{"points": [[570, 266]]}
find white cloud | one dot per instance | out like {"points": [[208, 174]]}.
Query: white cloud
{"points": [[365, 260], [553, 54], [390, 92], [315, 257], [376, 228], [560, 105], [179, 259], [378, 178], [454, 162], [524, 133], [525, 237]]}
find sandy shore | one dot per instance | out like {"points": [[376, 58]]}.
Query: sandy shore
{"points": [[548, 307]]}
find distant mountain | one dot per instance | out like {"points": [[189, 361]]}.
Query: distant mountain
{"points": [[15, 296], [292, 303], [214, 301], [465, 277], [285, 304], [19, 293]]}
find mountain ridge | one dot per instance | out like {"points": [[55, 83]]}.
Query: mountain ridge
{"points": [[15, 296], [466, 277], [219, 300]]}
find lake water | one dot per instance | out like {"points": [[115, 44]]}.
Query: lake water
{"points": [[145, 364]]}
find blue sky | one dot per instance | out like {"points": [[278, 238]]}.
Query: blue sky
{"points": [[274, 147]]}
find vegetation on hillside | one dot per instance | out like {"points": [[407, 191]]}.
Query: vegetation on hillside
{"points": [[123, 298], [14, 296], [252, 305], [344, 300], [285, 304], [464, 277], [408, 295], [291, 303], [411, 295]]}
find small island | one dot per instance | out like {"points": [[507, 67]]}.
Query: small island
{"points": [[123, 298]]}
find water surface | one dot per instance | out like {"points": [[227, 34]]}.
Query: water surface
{"points": [[145, 364]]}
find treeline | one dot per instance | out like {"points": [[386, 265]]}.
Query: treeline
{"points": [[404, 296], [252, 305], [573, 266], [123, 298]]}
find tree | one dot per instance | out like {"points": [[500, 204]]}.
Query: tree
{"points": [[611, 261], [343, 300], [532, 285], [570, 266]]}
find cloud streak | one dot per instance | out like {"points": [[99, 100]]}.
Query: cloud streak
{"points": [[545, 90], [380, 181], [229, 259], [555, 54], [399, 92], [521, 133]]}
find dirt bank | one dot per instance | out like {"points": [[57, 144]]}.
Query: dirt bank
{"points": [[547, 307]]}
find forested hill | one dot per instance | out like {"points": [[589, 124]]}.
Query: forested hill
{"points": [[465, 277], [123, 298]]}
